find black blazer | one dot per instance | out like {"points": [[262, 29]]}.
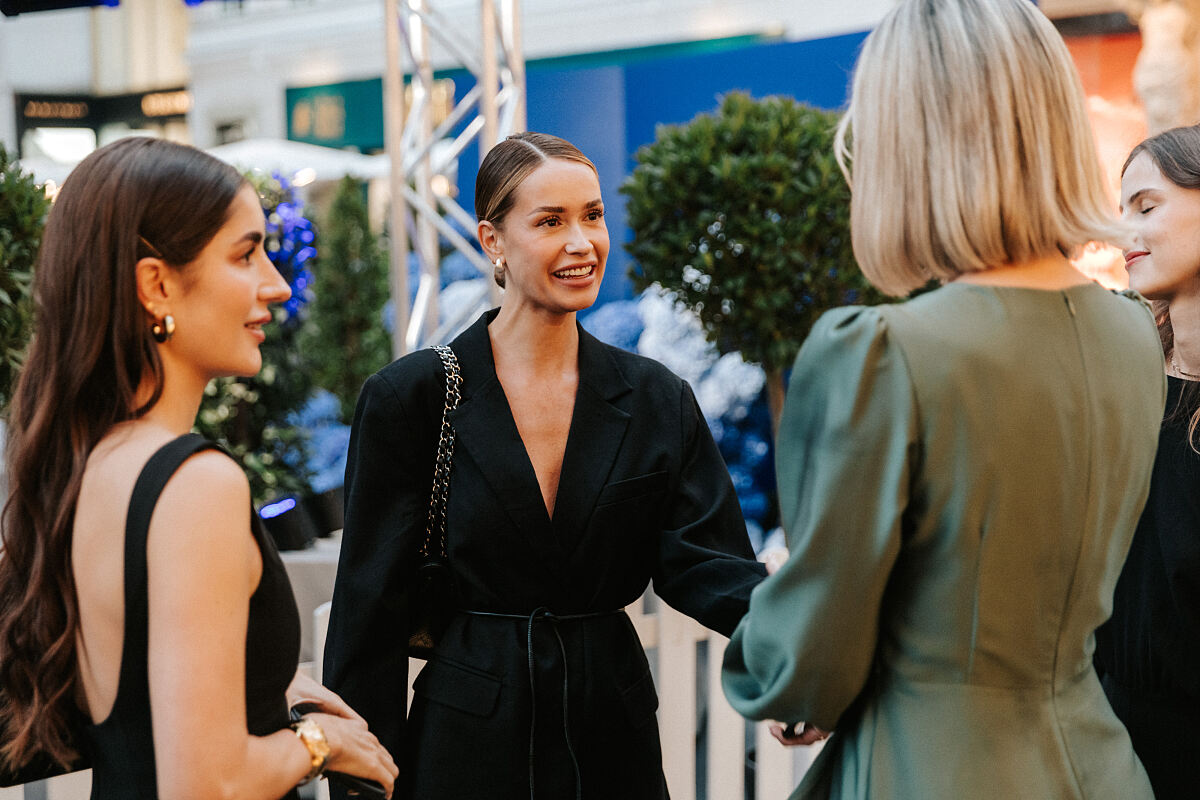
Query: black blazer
{"points": [[643, 495]]}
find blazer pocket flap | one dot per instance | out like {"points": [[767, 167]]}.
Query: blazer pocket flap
{"points": [[460, 688], [631, 488], [640, 701]]}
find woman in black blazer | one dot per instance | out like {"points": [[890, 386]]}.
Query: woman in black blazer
{"points": [[580, 473]]}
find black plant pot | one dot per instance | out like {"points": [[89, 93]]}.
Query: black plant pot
{"points": [[291, 526], [328, 510]]}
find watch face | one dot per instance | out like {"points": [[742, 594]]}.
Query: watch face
{"points": [[313, 737]]}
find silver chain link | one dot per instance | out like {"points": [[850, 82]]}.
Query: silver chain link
{"points": [[440, 495]]}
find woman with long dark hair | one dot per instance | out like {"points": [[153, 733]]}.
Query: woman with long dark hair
{"points": [[1149, 652], [580, 473], [145, 621]]}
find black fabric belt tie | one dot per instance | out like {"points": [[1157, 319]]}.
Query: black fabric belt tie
{"points": [[544, 614]]}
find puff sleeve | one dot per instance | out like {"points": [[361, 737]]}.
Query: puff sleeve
{"points": [[846, 448]]}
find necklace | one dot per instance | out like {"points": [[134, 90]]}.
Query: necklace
{"points": [[1178, 371]]}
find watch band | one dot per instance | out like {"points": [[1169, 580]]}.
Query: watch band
{"points": [[313, 738]]}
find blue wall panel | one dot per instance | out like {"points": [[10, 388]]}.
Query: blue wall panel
{"points": [[673, 90], [611, 110], [586, 107]]}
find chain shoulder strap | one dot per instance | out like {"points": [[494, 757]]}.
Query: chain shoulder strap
{"points": [[435, 527]]}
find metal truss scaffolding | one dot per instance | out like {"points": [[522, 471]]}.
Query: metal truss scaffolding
{"points": [[422, 204]]}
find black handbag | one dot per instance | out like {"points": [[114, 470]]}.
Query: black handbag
{"points": [[432, 595], [362, 787]]}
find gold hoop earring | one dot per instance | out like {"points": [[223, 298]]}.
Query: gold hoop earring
{"points": [[161, 331], [498, 272]]}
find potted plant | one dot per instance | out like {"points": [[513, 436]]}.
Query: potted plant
{"points": [[23, 208], [343, 339], [743, 216]]}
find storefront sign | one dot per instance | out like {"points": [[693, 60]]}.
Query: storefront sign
{"points": [[73, 111], [350, 114]]}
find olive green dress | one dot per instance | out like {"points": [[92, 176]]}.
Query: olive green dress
{"points": [[959, 477]]}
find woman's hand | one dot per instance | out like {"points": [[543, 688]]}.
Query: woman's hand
{"points": [[797, 733], [303, 690], [354, 750], [774, 558]]}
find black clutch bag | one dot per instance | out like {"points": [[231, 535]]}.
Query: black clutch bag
{"points": [[362, 787], [433, 585]]}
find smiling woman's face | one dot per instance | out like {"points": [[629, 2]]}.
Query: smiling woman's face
{"points": [[1164, 259], [554, 240], [224, 297]]}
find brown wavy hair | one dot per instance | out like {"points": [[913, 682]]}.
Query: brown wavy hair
{"points": [[1176, 152], [91, 353]]}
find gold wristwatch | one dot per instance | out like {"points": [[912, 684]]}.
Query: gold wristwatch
{"points": [[312, 737]]}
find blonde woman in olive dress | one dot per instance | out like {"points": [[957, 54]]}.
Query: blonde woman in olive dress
{"points": [[960, 475]]}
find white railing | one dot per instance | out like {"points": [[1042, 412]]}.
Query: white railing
{"points": [[675, 644]]}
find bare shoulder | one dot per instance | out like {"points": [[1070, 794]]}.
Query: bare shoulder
{"points": [[211, 470], [209, 487], [208, 480]]}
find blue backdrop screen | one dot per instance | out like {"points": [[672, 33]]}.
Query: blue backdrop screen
{"points": [[609, 110]]}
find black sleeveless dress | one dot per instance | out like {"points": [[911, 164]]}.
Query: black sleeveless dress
{"points": [[1148, 654], [121, 747]]}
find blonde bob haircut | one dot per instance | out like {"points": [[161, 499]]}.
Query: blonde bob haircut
{"points": [[969, 144]]}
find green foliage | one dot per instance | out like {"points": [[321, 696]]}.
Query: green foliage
{"points": [[23, 207], [343, 340], [744, 216], [249, 416]]}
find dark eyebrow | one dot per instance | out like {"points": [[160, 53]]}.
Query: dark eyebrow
{"points": [[1133, 198], [253, 237], [561, 210]]}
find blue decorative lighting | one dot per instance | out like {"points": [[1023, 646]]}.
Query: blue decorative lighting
{"points": [[289, 246], [275, 509]]}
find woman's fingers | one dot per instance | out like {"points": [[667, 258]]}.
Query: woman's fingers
{"points": [[774, 559], [306, 691], [354, 750]]}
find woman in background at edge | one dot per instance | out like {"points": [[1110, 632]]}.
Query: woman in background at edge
{"points": [[135, 592], [960, 474], [1149, 652], [580, 473]]}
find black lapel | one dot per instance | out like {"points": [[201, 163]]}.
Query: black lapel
{"points": [[597, 430], [485, 429]]}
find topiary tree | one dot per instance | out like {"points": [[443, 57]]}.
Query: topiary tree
{"points": [[23, 207], [743, 216], [343, 339]]}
